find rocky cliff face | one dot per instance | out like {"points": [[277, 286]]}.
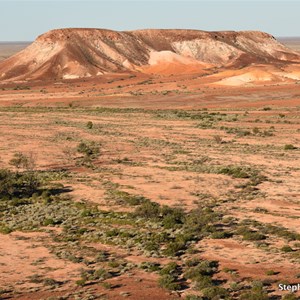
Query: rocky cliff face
{"points": [[77, 53]]}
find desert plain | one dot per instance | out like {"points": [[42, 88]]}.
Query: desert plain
{"points": [[151, 185]]}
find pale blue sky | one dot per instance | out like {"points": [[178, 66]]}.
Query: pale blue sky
{"points": [[25, 20]]}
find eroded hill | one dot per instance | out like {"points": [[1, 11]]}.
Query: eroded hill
{"points": [[79, 53]]}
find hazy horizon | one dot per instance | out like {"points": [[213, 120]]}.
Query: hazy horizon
{"points": [[25, 20]]}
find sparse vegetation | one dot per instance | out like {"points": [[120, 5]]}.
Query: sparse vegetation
{"points": [[163, 187]]}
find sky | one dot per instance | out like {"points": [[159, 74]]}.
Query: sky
{"points": [[25, 20]]}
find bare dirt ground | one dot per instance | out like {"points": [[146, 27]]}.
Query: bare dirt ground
{"points": [[178, 141]]}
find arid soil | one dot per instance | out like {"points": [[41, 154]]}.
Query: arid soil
{"points": [[148, 148], [224, 148]]}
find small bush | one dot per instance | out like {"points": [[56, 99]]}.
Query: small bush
{"points": [[221, 235], [271, 272], [23, 161], [172, 217], [101, 274], [203, 267], [290, 297], [256, 293], [89, 125], [289, 147], [150, 266], [174, 248], [250, 235], [202, 282], [287, 248], [51, 282], [90, 150], [169, 282], [253, 236], [20, 87], [170, 269], [216, 291], [81, 282], [18, 185], [5, 230], [235, 172], [148, 210], [193, 262], [122, 197], [102, 256], [107, 285], [48, 222]]}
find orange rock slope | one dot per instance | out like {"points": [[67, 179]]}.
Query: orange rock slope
{"points": [[78, 53]]}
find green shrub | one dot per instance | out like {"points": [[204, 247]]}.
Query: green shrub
{"points": [[36, 278], [229, 270], [124, 197], [200, 222], [203, 268], [48, 222], [271, 272], [51, 282], [5, 230], [170, 269], [89, 124], [81, 282], [202, 282], [151, 246], [20, 87], [102, 256], [107, 285], [101, 274], [150, 266], [287, 248], [221, 235], [253, 236], [148, 210], [216, 291], [18, 185], [290, 297], [256, 293], [235, 286], [90, 149], [169, 282], [21, 160], [192, 262], [235, 172], [172, 217], [250, 235], [289, 147], [174, 248], [254, 296]]}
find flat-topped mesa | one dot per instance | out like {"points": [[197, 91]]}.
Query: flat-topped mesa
{"points": [[84, 52]]}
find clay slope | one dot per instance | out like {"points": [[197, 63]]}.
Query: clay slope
{"points": [[78, 53]]}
